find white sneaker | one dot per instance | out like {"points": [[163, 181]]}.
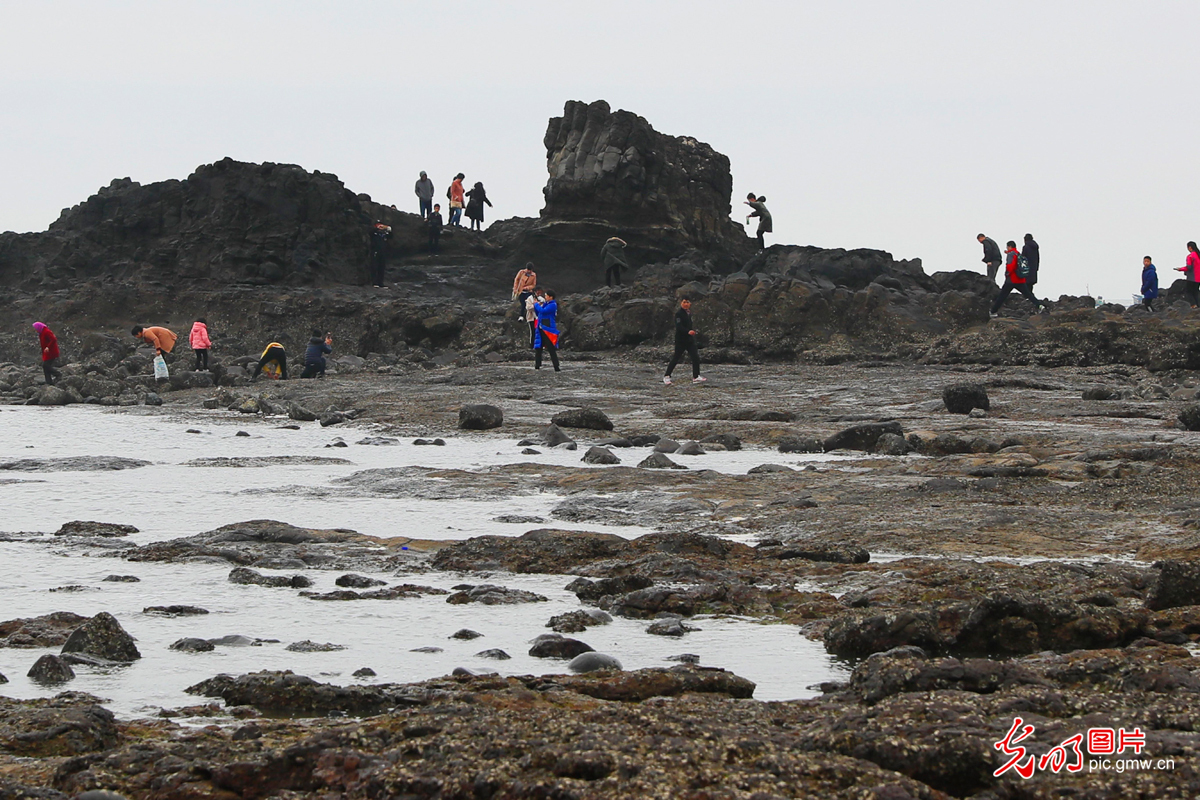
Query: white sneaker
{"points": [[701, 379], [993, 314], [667, 380]]}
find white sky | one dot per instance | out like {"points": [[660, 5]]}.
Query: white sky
{"points": [[905, 126]]}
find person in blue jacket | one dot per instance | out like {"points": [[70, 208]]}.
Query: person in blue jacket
{"points": [[1149, 283], [314, 356], [546, 309]]}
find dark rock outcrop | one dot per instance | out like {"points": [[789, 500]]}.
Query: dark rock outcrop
{"points": [[103, 637], [84, 528], [862, 437], [591, 418], [555, 645], [1178, 584], [49, 630], [480, 417], [960, 398], [51, 669]]}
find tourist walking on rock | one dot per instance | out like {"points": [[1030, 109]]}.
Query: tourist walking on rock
{"points": [[455, 195], [1014, 265], [685, 342], [424, 192], [200, 343], [614, 259], [273, 360], [1033, 259], [1149, 283], [435, 227], [380, 234], [161, 339], [547, 329], [1191, 274], [991, 256], [314, 356], [49, 344], [475, 206], [759, 204]]}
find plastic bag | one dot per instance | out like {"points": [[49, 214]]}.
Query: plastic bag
{"points": [[160, 369]]}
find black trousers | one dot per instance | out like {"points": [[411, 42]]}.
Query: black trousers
{"points": [[1025, 289], [1191, 290], [762, 245], [377, 267], [274, 354], [537, 354], [313, 369], [201, 359], [435, 236], [532, 332], [1148, 302], [49, 371], [685, 345], [612, 275]]}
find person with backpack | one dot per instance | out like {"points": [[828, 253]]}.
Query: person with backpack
{"points": [[547, 329], [48, 342], [685, 342], [1016, 276], [614, 259], [1191, 274], [991, 255], [1149, 283], [314, 356]]}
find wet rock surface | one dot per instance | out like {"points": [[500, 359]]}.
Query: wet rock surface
{"points": [[49, 630], [103, 637]]}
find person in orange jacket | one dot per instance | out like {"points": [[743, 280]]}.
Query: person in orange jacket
{"points": [[161, 339], [456, 196]]}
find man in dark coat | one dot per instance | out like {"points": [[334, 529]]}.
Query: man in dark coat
{"points": [[435, 227], [759, 204], [614, 259], [991, 256], [1032, 257], [685, 342], [379, 237]]}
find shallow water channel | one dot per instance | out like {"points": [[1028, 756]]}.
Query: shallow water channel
{"points": [[170, 498]]}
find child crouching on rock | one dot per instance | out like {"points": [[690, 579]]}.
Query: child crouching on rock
{"points": [[314, 356]]}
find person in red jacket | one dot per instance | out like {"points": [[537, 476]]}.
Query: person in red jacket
{"points": [[49, 344], [1013, 279]]}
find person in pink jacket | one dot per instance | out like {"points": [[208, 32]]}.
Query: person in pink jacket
{"points": [[200, 343], [1191, 274]]}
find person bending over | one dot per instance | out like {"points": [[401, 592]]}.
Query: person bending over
{"points": [[273, 360]]}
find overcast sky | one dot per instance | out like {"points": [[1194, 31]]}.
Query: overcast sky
{"points": [[904, 126]]}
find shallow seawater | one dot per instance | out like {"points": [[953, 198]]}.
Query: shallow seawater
{"points": [[168, 499]]}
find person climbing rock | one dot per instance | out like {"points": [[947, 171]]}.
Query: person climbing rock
{"points": [[314, 356], [685, 342], [614, 259], [161, 339], [380, 234], [435, 227], [991, 256], [475, 206], [759, 204], [1014, 265], [1033, 258], [1149, 283], [547, 329], [273, 360], [455, 195], [200, 343], [424, 192], [49, 345]]}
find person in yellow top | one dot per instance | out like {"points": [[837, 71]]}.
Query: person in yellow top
{"points": [[161, 339], [273, 357]]}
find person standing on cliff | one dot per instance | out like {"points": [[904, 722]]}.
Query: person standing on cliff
{"points": [[1191, 274], [161, 339], [435, 227], [475, 206], [759, 204], [614, 259], [380, 234], [991, 256], [685, 342], [1149, 283], [49, 344], [455, 195], [424, 192]]}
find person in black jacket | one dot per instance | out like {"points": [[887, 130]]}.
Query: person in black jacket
{"points": [[435, 227], [478, 196], [380, 234], [685, 342], [314, 356], [1032, 257], [991, 255]]}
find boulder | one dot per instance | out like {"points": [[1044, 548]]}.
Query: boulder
{"points": [[193, 645], [353, 581], [666, 446], [300, 413], [669, 626], [1178, 584], [554, 645], [84, 528], [862, 437], [494, 653], [801, 445], [53, 396], [726, 440], [466, 634], [600, 455], [961, 398], [245, 575], [490, 595], [1100, 393], [175, 611], [593, 662], [51, 669], [591, 418], [690, 449], [102, 636], [480, 417], [1190, 416], [890, 444], [552, 436], [659, 461]]}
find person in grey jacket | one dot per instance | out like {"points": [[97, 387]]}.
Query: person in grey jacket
{"points": [[614, 258], [991, 256], [759, 204], [424, 192]]}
